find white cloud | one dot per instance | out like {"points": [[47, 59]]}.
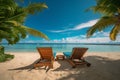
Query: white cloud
{"points": [[78, 39], [86, 24], [78, 27], [58, 31], [99, 37], [101, 34]]}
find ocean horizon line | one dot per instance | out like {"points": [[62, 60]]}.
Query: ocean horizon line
{"points": [[64, 47], [71, 43]]}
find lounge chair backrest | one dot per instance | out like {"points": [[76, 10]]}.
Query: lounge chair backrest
{"points": [[45, 52], [78, 52]]}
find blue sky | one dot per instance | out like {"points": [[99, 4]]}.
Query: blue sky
{"points": [[65, 21]]}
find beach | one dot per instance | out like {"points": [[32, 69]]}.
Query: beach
{"points": [[105, 66]]}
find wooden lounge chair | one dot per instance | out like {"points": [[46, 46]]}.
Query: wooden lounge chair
{"points": [[46, 57], [76, 57]]}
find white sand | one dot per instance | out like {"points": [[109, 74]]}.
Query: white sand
{"points": [[105, 66]]}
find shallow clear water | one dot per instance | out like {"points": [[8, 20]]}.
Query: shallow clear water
{"points": [[59, 47]]}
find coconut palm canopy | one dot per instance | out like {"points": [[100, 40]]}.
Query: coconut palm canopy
{"points": [[111, 17], [12, 17]]}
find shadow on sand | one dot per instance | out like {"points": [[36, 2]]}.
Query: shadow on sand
{"points": [[102, 68], [28, 67]]}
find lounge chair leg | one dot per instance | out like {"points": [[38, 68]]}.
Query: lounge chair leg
{"points": [[73, 66], [47, 69], [88, 64]]}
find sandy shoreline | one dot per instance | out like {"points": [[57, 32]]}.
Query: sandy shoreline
{"points": [[105, 66]]}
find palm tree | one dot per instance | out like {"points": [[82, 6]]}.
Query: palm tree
{"points": [[111, 17], [12, 17]]}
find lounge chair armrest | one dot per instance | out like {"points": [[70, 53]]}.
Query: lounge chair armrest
{"points": [[82, 58]]}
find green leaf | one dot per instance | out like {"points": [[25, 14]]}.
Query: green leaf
{"points": [[103, 23], [35, 33], [114, 32], [35, 7]]}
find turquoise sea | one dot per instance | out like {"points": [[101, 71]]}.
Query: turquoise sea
{"points": [[60, 47]]}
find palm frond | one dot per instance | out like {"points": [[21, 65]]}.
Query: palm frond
{"points": [[104, 10], [114, 32], [10, 30], [106, 7], [13, 23], [20, 17], [35, 32], [19, 1], [21, 31], [101, 24], [4, 34], [7, 7], [36, 7]]}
